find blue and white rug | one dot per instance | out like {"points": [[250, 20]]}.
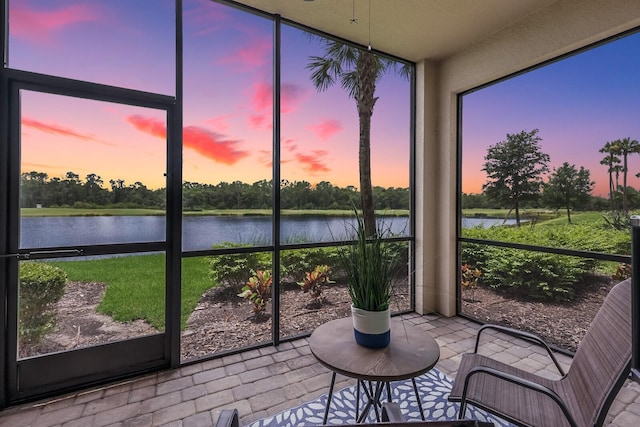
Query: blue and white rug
{"points": [[434, 388]]}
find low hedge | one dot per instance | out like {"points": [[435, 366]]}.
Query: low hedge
{"points": [[41, 287], [541, 275]]}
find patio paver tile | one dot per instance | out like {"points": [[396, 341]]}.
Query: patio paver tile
{"points": [[58, 417], [120, 413], [105, 403], [259, 362], [254, 374], [144, 420], [235, 368], [214, 400], [174, 413], [209, 375], [224, 383], [174, 385], [141, 394], [201, 419], [267, 400], [194, 392], [159, 402]]}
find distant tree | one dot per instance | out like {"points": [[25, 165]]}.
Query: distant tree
{"points": [[568, 188], [358, 71], [624, 147], [94, 193], [33, 189], [610, 160], [514, 170], [474, 201]]}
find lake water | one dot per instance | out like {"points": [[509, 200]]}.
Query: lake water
{"points": [[199, 232]]}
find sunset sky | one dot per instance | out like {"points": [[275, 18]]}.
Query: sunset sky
{"points": [[578, 104], [227, 105]]}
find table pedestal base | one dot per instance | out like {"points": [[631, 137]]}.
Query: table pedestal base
{"points": [[373, 394]]}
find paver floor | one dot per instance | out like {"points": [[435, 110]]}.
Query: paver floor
{"points": [[266, 381]]}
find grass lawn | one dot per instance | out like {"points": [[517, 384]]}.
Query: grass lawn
{"points": [[136, 285], [33, 212]]}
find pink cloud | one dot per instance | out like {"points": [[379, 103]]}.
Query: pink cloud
{"points": [[258, 121], [220, 122], [262, 98], [313, 163], [326, 129], [290, 97], [56, 129], [41, 26], [210, 144], [153, 127], [256, 54], [289, 145]]}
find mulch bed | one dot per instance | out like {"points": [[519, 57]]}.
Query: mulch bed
{"points": [[222, 321], [561, 324]]}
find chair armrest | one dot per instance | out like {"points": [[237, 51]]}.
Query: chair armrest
{"points": [[520, 334], [391, 412], [479, 370], [228, 418]]}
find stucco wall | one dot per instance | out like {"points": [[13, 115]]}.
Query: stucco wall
{"points": [[561, 28]]}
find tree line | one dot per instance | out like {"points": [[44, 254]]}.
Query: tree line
{"points": [[516, 168], [37, 189]]}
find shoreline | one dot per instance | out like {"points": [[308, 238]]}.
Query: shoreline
{"points": [[82, 212]]}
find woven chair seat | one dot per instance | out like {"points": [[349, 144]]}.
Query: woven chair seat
{"points": [[599, 368]]}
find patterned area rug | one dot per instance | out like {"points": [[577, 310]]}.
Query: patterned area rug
{"points": [[434, 388]]}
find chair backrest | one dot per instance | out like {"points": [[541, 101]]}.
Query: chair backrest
{"points": [[603, 359]]}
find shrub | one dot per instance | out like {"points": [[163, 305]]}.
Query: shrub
{"points": [[534, 275], [41, 286], [295, 263], [233, 269]]}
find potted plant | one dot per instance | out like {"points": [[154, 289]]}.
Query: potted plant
{"points": [[369, 265]]}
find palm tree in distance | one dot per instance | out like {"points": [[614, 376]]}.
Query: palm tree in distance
{"points": [[358, 71], [624, 147], [610, 160]]}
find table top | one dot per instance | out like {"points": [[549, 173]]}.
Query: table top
{"points": [[412, 352]]}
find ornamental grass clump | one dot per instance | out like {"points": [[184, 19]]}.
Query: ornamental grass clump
{"points": [[369, 266]]}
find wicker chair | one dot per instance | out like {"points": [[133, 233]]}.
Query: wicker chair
{"points": [[582, 396]]}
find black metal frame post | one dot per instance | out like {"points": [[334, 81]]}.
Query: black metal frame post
{"points": [[635, 297]]}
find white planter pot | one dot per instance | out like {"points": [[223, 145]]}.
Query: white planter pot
{"points": [[371, 329]]}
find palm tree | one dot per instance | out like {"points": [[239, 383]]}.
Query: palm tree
{"points": [[624, 147], [358, 71], [610, 160]]}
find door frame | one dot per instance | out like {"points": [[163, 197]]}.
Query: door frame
{"points": [[33, 377]]}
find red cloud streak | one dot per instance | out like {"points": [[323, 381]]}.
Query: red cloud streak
{"points": [[57, 130], [39, 25], [313, 163], [205, 142], [326, 129]]}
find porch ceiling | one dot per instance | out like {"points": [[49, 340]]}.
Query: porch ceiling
{"points": [[409, 29]]}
